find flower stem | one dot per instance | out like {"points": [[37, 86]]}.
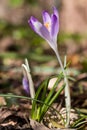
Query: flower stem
{"points": [[67, 92]]}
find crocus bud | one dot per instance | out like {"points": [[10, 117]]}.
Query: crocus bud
{"points": [[26, 85]]}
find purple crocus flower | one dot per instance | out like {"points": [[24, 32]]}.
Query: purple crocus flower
{"points": [[49, 29], [26, 85]]}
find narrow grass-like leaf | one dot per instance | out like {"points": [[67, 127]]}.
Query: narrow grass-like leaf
{"points": [[34, 105], [44, 92], [53, 89], [28, 98], [44, 108], [51, 101], [79, 122], [56, 94], [24, 97]]}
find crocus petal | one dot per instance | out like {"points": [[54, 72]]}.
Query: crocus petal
{"points": [[54, 27], [55, 11], [26, 85], [39, 28], [55, 21], [46, 17], [35, 24]]}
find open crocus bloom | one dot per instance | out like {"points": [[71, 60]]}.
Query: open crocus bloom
{"points": [[49, 29]]}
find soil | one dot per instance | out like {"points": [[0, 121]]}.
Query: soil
{"points": [[15, 113]]}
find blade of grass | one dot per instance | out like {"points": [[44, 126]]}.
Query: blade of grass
{"points": [[34, 105], [27, 98], [78, 122], [48, 98], [51, 101], [22, 97], [57, 94]]}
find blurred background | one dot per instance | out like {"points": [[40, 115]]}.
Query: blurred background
{"points": [[18, 41]]}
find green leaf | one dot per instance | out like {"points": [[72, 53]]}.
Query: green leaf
{"points": [[49, 97], [35, 105], [57, 94], [79, 122]]}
